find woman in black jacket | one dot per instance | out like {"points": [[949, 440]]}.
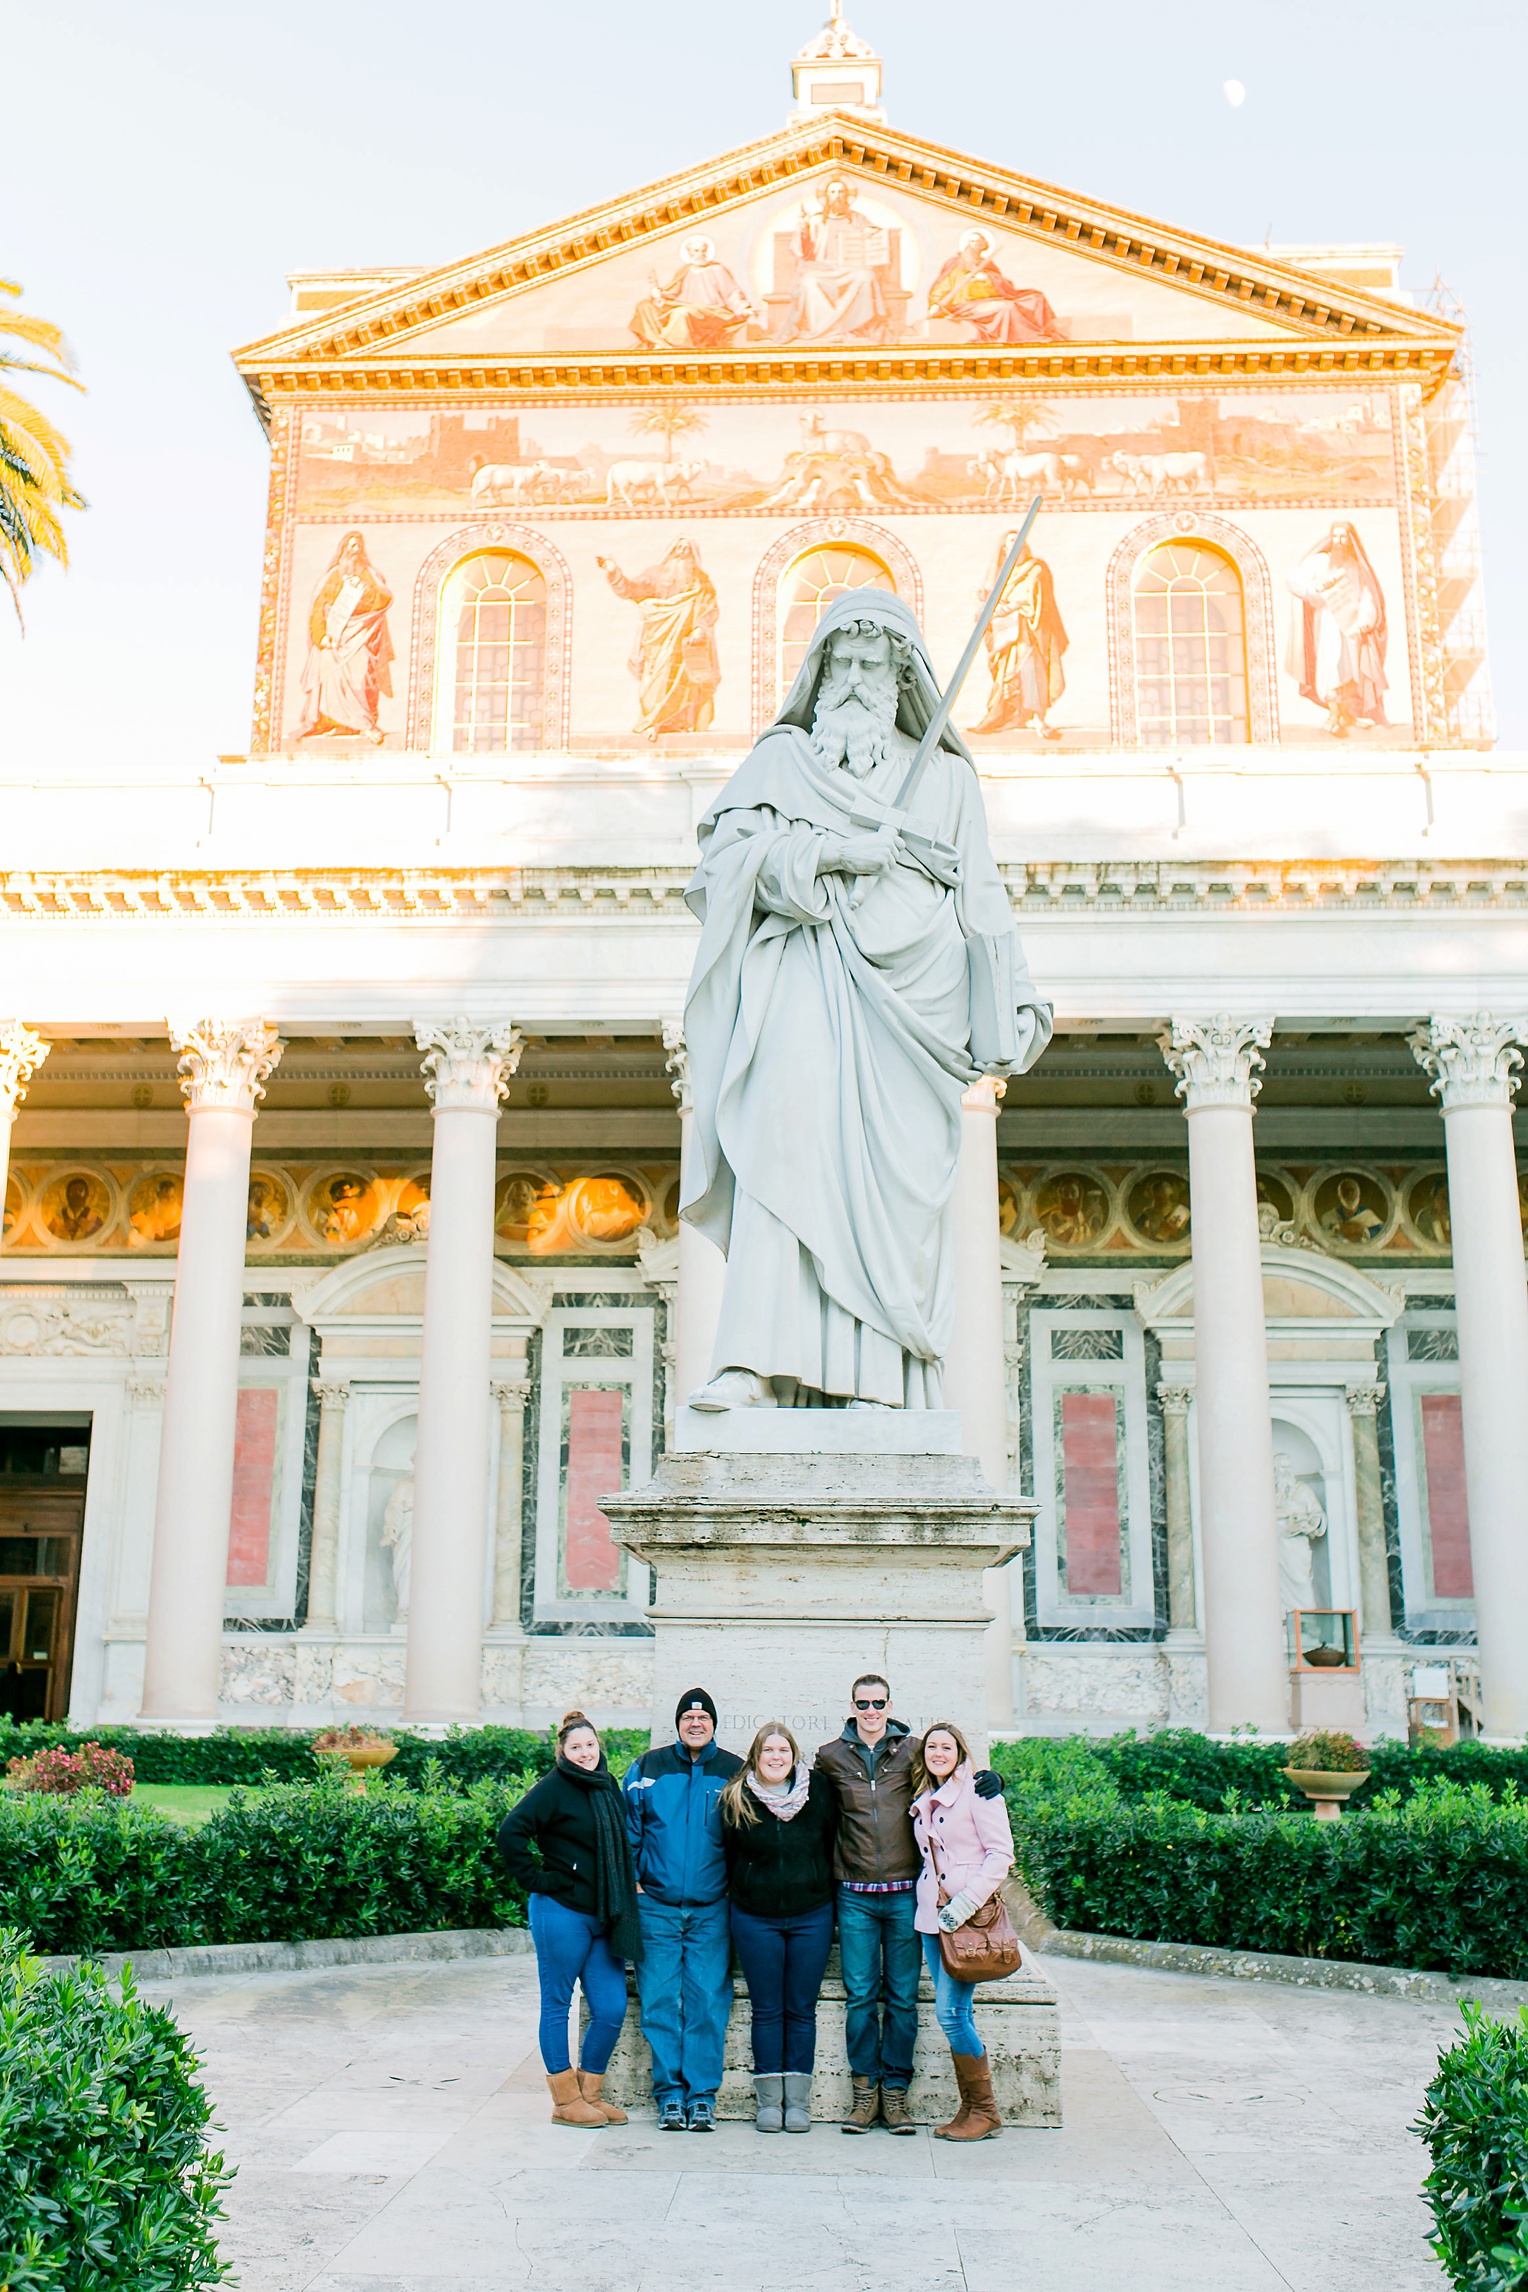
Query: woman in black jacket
{"points": [[778, 1821], [582, 1890]]}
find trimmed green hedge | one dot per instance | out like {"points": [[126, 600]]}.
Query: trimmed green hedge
{"points": [[293, 1863], [255, 1755], [1475, 2123], [105, 2183], [1437, 1880], [1190, 1767]]}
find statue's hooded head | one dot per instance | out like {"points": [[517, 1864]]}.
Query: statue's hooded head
{"points": [[865, 669]]}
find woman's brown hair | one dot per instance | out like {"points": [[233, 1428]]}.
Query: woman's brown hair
{"points": [[570, 1724], [922, 1779], [740, 1809]]}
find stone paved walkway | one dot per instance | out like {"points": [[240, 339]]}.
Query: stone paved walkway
{"points": [[389, 2124]]}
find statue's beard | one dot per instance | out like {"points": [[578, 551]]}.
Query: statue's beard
{"points": [[854, 720]]}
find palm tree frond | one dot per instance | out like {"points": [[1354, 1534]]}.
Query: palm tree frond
{"points": [[35, 484]]}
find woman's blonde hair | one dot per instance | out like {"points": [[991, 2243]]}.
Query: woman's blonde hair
{"points": [[922, 1779], [740, 1808]]}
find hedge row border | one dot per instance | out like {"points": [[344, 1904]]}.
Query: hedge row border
{"points": [[1303, 1973]]}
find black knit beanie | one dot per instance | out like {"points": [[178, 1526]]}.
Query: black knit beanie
{"points": [[695, 1698]]}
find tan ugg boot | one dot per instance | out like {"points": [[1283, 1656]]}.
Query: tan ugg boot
{"points": [[982, 2116], [589, 2083], [568, 2105]]}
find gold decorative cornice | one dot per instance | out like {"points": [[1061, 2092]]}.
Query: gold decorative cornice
{"points": [[341, 897], [1316, 308], [749, 373]]}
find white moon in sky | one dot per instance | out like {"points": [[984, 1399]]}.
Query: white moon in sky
{"points": [[1236, 94]]}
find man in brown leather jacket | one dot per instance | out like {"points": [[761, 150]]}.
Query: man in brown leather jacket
{"points": [[876, 1863]]}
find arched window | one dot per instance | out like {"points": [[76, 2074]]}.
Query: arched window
{"points": [[1190, 649], [493, 654], [808, 587]]}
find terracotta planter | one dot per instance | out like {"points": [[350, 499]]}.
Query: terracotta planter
{"points": [[358, 1758], [1327, 1789]]}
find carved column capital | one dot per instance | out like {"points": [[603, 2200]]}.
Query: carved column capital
{"points": [[330, 1392], [510, 1394], [1470, 1062], [1216, 1060], [224, 1062], [985, 1095], [144, 1389], [1175, 1399], [676, 1057], [21, 1053], [1364, 1400], [467, 1066]]}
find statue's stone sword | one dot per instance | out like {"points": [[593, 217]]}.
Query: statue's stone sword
{"points": [[941, 860]]}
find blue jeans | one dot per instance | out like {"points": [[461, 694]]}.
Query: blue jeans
{"points": [[572, 1948], [954, 2002], [783, 1961], [684, 1984], [878, 1948]]}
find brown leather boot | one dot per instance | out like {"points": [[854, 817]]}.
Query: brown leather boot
{"points": [[953, 2130], [589, 2083], [974, 2071], [866, 2109], [568, 2105], [895, 2111]]}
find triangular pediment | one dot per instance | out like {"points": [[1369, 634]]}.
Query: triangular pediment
{"points": [[788, 270]]}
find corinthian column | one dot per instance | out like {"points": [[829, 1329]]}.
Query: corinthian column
{"points": [[21, 1053], [332, 1394], [1216, 1063], [702, 1268], [467, 1069], [1369, 1508], [975, 1369], [1473, 1063], [508, 1511], [223, 1069]]}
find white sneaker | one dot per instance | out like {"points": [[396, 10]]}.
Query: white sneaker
{"points": [[734, 1389]]}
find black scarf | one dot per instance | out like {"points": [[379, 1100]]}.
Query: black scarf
{"points": [[615, 1877]]}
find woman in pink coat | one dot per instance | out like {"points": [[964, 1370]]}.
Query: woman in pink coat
{"points": [[967, 1848]]}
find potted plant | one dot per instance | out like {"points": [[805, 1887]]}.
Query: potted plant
{"points": [[357, 1748], [1328, 1766]]}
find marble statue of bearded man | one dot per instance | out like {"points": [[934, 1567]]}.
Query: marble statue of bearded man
{"points": [[829, 1028]]}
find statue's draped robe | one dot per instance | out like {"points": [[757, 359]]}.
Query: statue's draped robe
{"points": [[828, 1048], [349, 650], [1025, 642], [1338, 636]]}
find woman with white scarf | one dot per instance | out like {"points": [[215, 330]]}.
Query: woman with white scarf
{"points": [[778, 1821]]}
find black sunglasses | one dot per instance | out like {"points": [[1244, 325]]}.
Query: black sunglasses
{"points": [[871, 1702]]}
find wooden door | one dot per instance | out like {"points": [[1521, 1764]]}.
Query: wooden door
{"points": [[39, 1588]]}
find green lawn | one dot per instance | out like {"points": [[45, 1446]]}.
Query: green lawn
{"points": [[187, 1802]]}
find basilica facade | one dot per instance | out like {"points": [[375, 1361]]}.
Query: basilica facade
{"points": [[345, 1080]]}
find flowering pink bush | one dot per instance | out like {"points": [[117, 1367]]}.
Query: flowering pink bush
{"points": [[90, 1767]]}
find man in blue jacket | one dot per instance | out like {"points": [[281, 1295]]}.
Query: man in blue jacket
{"points": [[684, 1982]]}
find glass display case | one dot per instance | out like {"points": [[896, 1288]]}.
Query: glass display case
{"points": [[1322, 1639]]}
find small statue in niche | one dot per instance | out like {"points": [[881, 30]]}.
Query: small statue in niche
{"points": [[398, 1542], [1302, 1524]]}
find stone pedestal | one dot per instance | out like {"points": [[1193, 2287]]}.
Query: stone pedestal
{"points": [[802, 1547], [1019, 2023]]}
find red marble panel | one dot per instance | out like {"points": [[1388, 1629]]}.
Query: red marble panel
{"points": [[254, 1482], [1090, 1481], [596, 1466], [1448, 1511]]}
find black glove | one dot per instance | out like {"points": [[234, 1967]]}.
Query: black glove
{"points": [[988, 1785]]}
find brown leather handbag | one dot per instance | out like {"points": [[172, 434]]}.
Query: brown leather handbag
{"points": [[985, 1948]]}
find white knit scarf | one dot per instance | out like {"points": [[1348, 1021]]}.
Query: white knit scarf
{"points": [[785, 1804]]}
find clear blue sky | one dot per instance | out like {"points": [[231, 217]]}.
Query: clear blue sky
{"points": [[170, 162]]}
